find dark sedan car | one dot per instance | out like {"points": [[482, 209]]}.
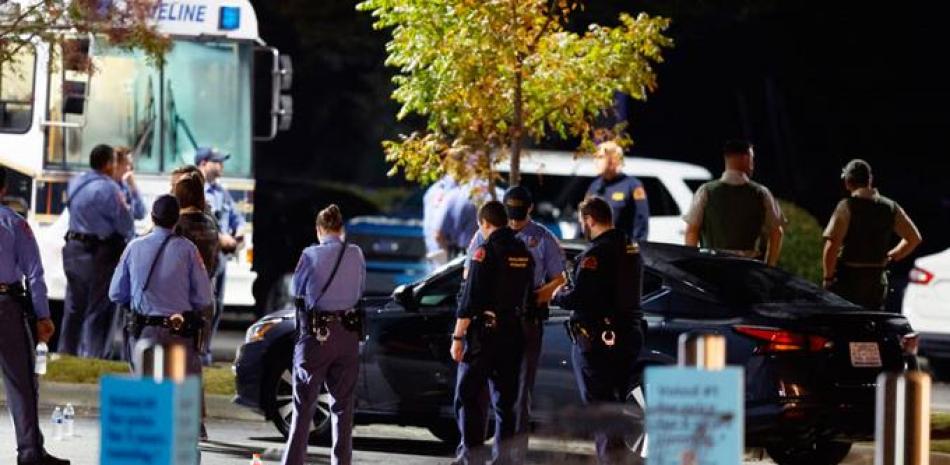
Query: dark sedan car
{"points": [[811, 359]]}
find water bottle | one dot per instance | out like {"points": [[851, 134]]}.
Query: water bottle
{"points": [[69, 417], [256, 459], [57, 423], [42, 353]]}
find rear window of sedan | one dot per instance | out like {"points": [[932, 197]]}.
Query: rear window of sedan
{"points": [[747, 282]]}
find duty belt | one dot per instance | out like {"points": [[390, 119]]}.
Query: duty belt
{"points": [[319, 321], [187, 323], [82, 237], [12, 289], [879, 265]]}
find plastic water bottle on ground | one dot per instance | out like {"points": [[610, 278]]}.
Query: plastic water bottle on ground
{"points": [[69, 420], [57, 423], [256, 459], [42, 354]]}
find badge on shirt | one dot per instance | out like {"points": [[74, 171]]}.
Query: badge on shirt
{"points": [[617, 196], [639, 193], [589, 263], [478, 255]]}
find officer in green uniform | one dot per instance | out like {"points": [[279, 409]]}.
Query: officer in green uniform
{"points": [[733, 213], [858, 240]]}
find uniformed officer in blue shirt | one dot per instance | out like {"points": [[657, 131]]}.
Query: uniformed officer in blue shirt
{"points": [[125, 176], [19, 258], [329, 281], [100, 224], [625, 194], [548, 275], [606, 321], [231, 222], [460, 223], [162, 278], [433, 211], [488, 339]]}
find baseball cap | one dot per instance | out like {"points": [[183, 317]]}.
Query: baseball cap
{"points": [[165, 211], [517, 202], [210, 154], [858, 171]]}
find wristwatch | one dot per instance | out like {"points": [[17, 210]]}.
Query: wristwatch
{"points": [[458, 338]]}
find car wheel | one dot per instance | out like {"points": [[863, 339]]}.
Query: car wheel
{"points": [[447, 432], [279, 405], [636, 408], [818, 453]]}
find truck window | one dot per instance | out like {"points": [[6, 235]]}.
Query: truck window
{"points": [[661, 202], [16, 91]]}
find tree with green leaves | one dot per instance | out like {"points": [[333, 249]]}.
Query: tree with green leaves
{"points": [[489, 75], [126, 24]]}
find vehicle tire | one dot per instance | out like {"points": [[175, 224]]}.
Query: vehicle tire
{"points": [[940, 368], [447, 432], [277, 398], [818, 453]]}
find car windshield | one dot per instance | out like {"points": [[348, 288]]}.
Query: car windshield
{"points": [[747, 282]]}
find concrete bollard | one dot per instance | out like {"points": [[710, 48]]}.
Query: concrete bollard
{"points": [[902, 425], [706, 351]]}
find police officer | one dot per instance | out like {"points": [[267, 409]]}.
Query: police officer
{"points": [[329, 282], [230, 221], [125, 176], [858, 239], [548, 275], [732, 213], [433, 211], [459, 222], [488, 342], [162, 279], [625, 194], [606, 320], [19, 258], [100, 223]]}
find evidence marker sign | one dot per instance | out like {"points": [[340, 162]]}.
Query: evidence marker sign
{"points": [[148, 423], [694, 417]]}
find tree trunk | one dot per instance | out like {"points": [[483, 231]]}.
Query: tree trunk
{"points": [[514, 176]]}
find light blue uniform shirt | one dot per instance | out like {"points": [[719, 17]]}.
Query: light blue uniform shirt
{"points": [[314, 268], [545, 250], [20, 256], [97, 206], [134, 199], [222, 205], [460, 221], [433, 209], [179, 282]]}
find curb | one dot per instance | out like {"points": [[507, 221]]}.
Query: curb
{"points": [[85, 397], [863, 454]]}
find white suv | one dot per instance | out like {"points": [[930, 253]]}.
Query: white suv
{"points": [[558, 181], [927, 306]]}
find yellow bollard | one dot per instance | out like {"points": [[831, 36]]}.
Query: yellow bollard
{"points": [[703, 351], [902, 426]]}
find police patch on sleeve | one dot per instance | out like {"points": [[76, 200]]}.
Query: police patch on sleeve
{"points": [[479, 254], [589, 263], [25, 228], [639, 193]]}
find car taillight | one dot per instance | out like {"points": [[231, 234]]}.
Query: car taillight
{"points": [[249, 255], [920, 276], [910, 343], [780, 340]]}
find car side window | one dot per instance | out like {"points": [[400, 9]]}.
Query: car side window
{"points": [[652, 284], [661, 202], [440, 292]]}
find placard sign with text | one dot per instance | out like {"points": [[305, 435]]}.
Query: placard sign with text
{"points": [[694, 417], [149, 423]]}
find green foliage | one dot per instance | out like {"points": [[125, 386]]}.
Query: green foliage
{"points": [[802, 244], [487, 74], [68, 369]]}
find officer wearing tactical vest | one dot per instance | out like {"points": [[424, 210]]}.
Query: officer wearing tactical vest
{"points": [[858, 240], [606, 321], [19, 260], [733, 213], [488, 341]]}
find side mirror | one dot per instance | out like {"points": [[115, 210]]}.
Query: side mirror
{"points": [[404, 295], [285, 115], [286, 73]]}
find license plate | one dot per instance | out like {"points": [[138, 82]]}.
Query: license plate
{"points": [[865, 355]]}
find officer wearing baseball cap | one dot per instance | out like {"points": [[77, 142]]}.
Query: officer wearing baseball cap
{"points": [[548, 275], [859, 236], [210, 162]]}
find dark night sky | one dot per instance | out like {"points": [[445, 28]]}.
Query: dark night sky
{"points": [[812, 83]]}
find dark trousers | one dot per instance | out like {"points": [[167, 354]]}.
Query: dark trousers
{"points": [[88, 314], [335, 363], [866, 287], [217, 284], [497, 364], [607, 375], [16, 361]]}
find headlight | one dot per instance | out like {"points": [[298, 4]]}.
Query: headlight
{"points": [[257, 331]]}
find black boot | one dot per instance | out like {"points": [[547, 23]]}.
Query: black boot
{"points": [[45, 459]]}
